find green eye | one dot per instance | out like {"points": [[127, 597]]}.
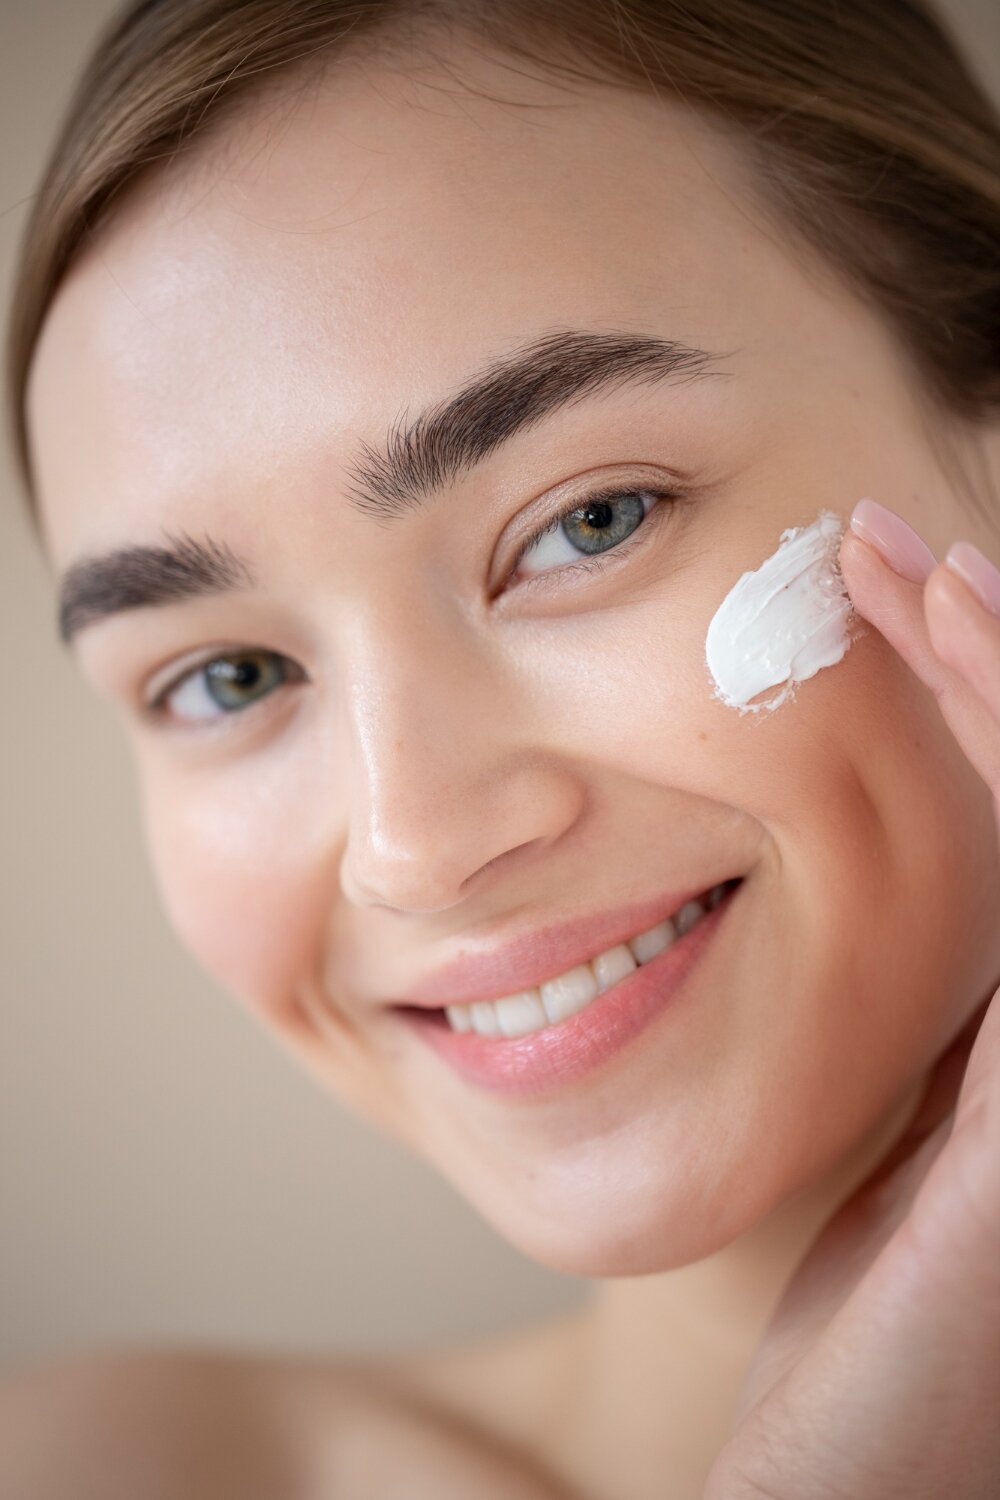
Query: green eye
{"points": [[234, 681], [587, 530], [224, 685], [599, 524]]}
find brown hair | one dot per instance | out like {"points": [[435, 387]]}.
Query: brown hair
{"points": [[869, 137]]}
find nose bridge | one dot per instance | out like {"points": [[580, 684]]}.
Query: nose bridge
{"points": [[446, 773]]}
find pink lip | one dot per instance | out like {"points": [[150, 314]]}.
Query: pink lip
{"points": [[543, 954], [561, 1054]]}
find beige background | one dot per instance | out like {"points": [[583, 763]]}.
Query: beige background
{"points": [[166, 1174]]}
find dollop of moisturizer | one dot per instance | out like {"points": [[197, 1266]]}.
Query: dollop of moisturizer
{"points": [[784, 621]]}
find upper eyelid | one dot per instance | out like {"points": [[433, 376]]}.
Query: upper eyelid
{"points": [[607, 492]]}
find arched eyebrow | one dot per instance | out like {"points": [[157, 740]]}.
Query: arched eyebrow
{"points": [[512, 393], [418, 462], [140, 577]]}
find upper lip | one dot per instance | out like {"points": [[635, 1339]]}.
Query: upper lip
{"points": [[544, 953]]}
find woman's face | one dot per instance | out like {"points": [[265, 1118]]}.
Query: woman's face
{"points": [[434, 752]]}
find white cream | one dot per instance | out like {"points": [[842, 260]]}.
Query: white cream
{"points": [[784, 621]]}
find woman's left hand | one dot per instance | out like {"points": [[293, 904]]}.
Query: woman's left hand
{"points": [[879, 1375]]}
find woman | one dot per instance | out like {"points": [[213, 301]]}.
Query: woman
{"points": [[348, 339]]}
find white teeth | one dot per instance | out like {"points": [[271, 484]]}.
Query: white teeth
{"points": [[611, 966], [569, 993], [484, 1018], [559, 998], [519, 1014], [648, 944], [688, 916]]}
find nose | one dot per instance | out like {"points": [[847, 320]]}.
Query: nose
{"points": [[448, 777]]}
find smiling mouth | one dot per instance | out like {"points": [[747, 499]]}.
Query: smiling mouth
{"points": [[545, 1006]]}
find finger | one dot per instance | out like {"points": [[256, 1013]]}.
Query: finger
{"points": [[896, 607], [982, 1076], [955, 1219], [946, 1087], [963, 631]]}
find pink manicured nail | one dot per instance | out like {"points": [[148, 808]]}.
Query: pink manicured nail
{"points": [[978, 572], [905, 552]]}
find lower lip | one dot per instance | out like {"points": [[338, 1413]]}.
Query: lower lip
{"points": [[561, 1054]]}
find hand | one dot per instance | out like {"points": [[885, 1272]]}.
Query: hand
{"points": [[879, 1375]]}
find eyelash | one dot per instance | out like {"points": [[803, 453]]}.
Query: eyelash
{"points": [[157, 709], [598, 560]]}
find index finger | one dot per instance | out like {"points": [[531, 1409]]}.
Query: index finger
{"points": [[944, 634]]}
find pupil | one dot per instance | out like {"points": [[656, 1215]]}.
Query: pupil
{"points": [[228, 674], [598, 515]]}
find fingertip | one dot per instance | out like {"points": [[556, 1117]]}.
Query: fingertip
{"points": [[978, 574], [862, 566], [899, 546]]}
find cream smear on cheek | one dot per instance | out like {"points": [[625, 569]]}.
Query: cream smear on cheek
{"points": [[781, 623]]}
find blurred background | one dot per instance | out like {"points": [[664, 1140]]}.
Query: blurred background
{"points": [[167, 1176]]}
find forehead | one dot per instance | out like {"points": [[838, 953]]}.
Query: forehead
{"points": [[354, 248]]}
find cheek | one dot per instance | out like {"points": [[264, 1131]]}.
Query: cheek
{"points": [[244, 865], [870, 936], [881, 832]]}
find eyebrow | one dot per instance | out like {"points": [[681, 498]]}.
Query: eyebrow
{"points": [[139, 577], [419, 460]]}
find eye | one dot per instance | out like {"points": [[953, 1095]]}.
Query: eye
{"points": [[582, 534], [223, 686]]}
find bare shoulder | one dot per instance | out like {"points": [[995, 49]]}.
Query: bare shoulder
{"points": [[186, 1425], [160, 1424]]}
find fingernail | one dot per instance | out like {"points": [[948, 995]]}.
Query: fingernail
{"points": [[905, 552], [978, 572]]}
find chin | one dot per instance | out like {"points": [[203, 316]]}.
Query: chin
{"points": [[625, 1240], [625, 1220], [612, 1214]]}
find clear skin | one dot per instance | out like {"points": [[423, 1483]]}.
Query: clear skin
{"points": [[452, 769]]}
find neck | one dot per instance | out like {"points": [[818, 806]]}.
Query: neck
{"points": [[663, 1356]]}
